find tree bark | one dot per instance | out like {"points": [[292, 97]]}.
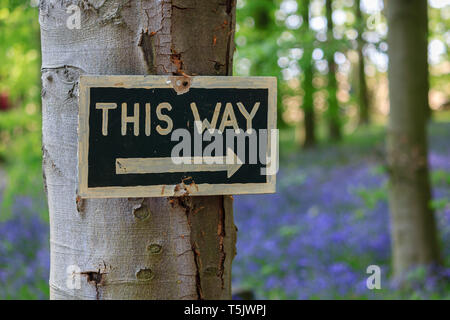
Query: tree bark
{"points": [[334, 122], [414, 234], [147, 248], [363, 99], [308, 89]]}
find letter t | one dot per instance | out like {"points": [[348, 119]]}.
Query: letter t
{"points": [[105, 107]]}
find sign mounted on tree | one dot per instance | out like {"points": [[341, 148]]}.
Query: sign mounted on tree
{"points": [[153, 136]]}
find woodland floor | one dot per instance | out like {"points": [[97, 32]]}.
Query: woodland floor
{"points": [[313, 239]]}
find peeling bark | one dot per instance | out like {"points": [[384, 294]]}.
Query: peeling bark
{"points": [[155, 248]]}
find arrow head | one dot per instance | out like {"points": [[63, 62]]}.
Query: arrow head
{"points": [[233, 163]]}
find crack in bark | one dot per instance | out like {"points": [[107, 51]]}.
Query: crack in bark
{"points": [[147, 44], [175, 58], [80, 202], [197, 275], [47, 158], [221, 234], [69, 71], [186, 203], [44, 178], [181, 8], [96, 278], [155, 44], [230, 36], [229, 4]]}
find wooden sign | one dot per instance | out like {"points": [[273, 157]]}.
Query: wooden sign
{"points": [[153, 136]]}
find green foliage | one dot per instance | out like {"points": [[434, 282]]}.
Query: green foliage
{"points": [[20, 137], [19, 52], [21, 151], [440, 177], [288, 231], [438, 27], [440, 204], [372, 196], [256, 38]]}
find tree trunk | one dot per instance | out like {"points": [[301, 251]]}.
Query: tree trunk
{"points": [[308, 106], [414, 233], [146, 248], [334, 123], [363, 99], [308, 89]]}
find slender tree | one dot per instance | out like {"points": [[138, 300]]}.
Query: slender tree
{"points": [[333, 118], [147, 248], [308, 73], [363, 100], [414, 234]]}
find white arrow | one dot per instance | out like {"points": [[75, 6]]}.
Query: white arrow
{"points": [[229, 163]]}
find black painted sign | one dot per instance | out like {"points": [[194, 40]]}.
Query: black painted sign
{"points": [[144, 136]]}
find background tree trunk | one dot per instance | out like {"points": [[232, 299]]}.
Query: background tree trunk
{"points": [[414, 233], [308, 89], [334, 123], [363, 99], [152, 248]]}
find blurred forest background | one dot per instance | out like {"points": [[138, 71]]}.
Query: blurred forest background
{"points": [[330, 218]]}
